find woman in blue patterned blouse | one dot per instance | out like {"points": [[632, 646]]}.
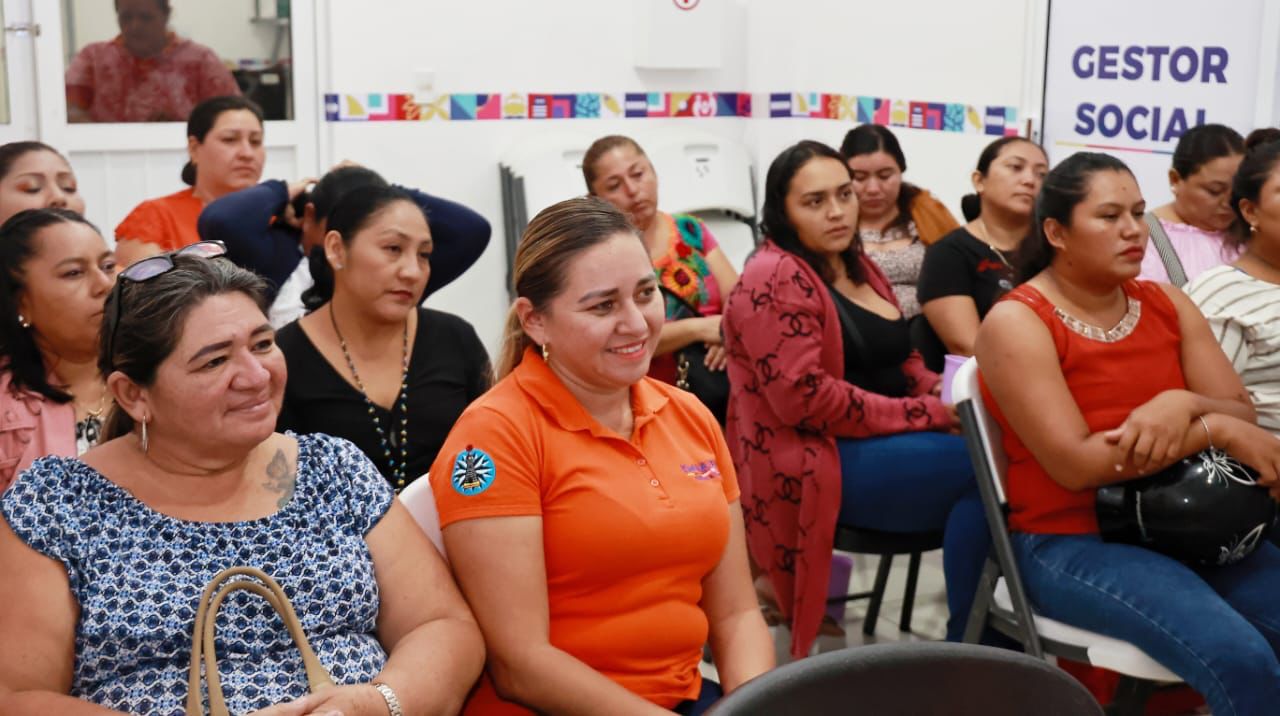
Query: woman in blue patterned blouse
{"points": [[105, 556]]}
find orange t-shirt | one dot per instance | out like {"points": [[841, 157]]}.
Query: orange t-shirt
{"points": [[1108, 380], [168, 222], [630, 527]]}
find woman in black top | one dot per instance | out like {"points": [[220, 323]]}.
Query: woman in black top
{"points": [[370, 365], [969, 269]]}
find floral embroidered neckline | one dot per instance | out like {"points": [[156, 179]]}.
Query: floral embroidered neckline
{"points": [[1118, 332]]}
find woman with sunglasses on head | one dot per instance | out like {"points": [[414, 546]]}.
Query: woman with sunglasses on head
{"points": [[106, 556], [225, 154], [370, 364], [57, 270], [34, 175], [966, 271]]}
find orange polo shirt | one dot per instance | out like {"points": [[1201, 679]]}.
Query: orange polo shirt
{"points": [[168, 222], [630, 527]]}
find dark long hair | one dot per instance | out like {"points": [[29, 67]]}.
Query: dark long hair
{"points": [[1257, 166], [872, 138], [1200, 145], [777, 225], [349, 215], [18, 349], [205, 115], [1064, 188], [154, 315]]}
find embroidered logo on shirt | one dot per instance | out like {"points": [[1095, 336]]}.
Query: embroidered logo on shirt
{"points": [[702, 470], [473, 471]]}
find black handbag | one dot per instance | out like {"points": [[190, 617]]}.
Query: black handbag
{"points": [[692, 374]]}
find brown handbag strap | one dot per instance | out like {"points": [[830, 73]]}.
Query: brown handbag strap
{"points": [[204, 632]]}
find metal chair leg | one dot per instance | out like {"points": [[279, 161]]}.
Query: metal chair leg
{"points": [[877, 594], [909, 595]]}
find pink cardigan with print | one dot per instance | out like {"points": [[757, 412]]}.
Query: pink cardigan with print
{"points": [[788, 405], [31, 426]]}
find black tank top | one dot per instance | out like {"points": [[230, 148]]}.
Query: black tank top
{"points": [[873, 359]]}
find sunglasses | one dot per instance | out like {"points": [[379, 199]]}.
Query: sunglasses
{"points": [[146, 269]]}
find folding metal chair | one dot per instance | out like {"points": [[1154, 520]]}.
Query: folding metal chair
{"points": [[1001, 601]]}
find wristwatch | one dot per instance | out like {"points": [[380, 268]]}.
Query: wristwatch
{"points": [[388, 695]]}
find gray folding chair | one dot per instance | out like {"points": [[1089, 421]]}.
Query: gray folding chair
{"points": [[1001, 602]]}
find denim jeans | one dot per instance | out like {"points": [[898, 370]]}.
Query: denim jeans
{"points": [[914, 482], [1216, 627], [707, 697]]}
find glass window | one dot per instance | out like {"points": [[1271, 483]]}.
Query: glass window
{"points": [[153, 60]]}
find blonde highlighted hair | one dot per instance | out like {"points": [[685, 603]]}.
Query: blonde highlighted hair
{"points": [[551, 242]]}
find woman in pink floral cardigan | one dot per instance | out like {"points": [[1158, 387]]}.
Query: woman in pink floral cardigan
{"points": [[833, 417]]}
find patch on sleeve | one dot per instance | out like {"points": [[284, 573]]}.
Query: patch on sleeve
{"points": [[473, 471]]}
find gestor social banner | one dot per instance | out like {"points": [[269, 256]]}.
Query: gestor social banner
{"points": [[1129, 78]]}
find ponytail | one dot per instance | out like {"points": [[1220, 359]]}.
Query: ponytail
{"points": [[514, 343]]}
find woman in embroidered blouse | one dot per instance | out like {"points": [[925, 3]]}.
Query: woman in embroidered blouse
{"points": [[896, 219], [1096, 378], [106, 556], [1199, 219], [145, 74], [1242, 300], [688, 260], [57, 271], [34, 175], [833, 417], [225, 154]]}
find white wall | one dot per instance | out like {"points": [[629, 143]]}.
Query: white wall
{"points": [[913, 49]]}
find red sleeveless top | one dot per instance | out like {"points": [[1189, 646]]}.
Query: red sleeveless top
{"points": [[1109, 375]]}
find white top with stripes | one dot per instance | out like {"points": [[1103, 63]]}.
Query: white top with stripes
{"points": [[1244, 313]]}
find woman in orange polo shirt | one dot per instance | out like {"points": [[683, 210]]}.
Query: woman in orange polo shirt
{"points": [[591, 513], [224, 143]]}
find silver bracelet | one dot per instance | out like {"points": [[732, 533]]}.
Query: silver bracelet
{"points": [[1207, 434], [388, 695]]}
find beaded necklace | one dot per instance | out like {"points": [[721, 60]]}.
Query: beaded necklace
{"points": [[387, 439]]}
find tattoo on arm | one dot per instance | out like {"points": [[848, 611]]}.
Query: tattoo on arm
{"points": [[281, 478]]}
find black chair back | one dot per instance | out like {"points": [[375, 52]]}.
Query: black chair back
{"points": [[909, 679]]}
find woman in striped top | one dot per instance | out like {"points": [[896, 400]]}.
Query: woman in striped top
{"points": [[1242, 300]]}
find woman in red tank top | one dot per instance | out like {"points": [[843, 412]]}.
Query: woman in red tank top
{"points": [[1097, 378]]}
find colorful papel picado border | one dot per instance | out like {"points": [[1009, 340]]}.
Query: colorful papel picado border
{"points": [[913, 114], [513, 105]]}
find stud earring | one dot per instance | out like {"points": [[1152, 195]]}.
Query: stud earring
{"points": [[546, 351], [24, 322]]}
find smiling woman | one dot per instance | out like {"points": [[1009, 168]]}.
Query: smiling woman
{"points": [[109, 554], [605, 499]]}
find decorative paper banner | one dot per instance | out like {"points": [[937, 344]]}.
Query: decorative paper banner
{"points": [[514, 105], [938, 116]]}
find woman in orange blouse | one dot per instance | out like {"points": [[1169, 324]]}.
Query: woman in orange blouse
{"points": [[224, 143]]}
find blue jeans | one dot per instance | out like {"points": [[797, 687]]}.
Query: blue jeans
{"points": [[1218, 628], [913, 482], [707, 697]]}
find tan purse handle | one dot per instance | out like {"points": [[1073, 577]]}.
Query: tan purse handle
{"points": [[202, 636]]}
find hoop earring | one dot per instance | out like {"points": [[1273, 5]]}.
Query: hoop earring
{"points": [[144, 441]]}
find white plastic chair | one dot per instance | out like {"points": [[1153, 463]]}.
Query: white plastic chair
{"points": [[421, 503], [1001, 601]]}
